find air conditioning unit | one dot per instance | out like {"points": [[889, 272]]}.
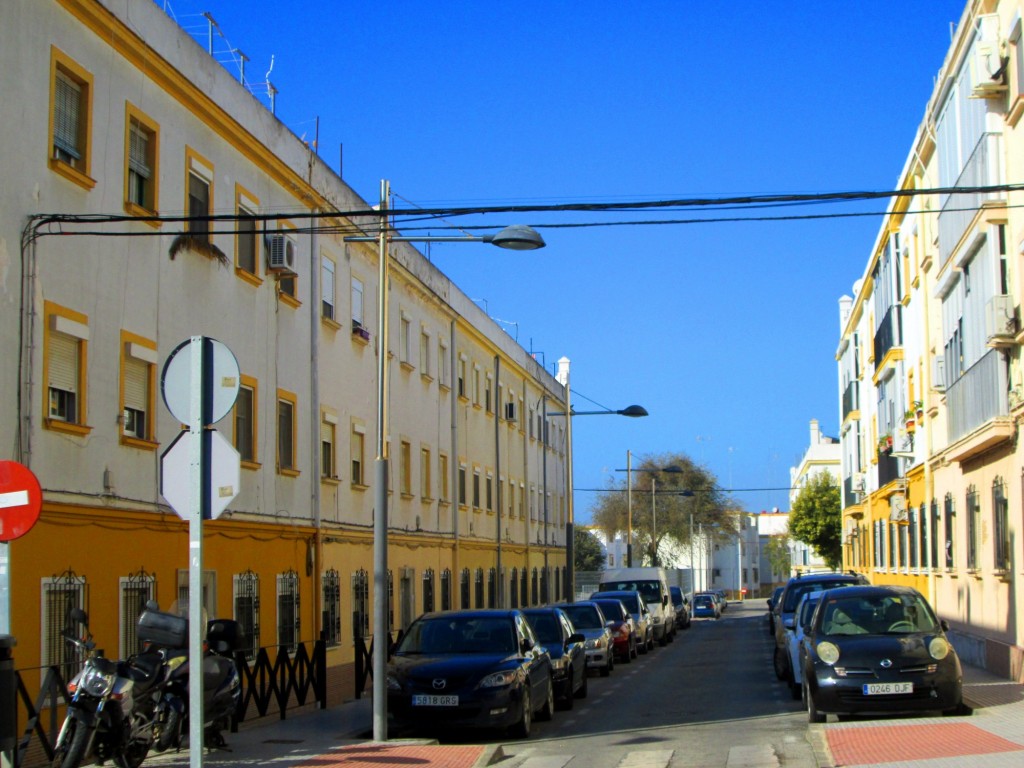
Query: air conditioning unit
{"points": [[939, 374], [280, 253], [988, 69], [1000, 321]]}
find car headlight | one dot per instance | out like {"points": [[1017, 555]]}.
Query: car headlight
{"points": [[828, 652], [657, 619], [497, 679], [938, 648], [594, 643], [393, 684], [96, 683]]}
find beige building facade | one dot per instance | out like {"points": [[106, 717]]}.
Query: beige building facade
{"points": [[148, 198], [929, 364]]}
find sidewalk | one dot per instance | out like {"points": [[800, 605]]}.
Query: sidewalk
{"points": [[991, 737]]}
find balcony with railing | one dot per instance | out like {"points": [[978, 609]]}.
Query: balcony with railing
{"points": [[889, 333], [851, 399], [978, 396], [958, 209], [888, 468]]}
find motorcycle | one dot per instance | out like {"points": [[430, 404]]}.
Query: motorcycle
{"points": [[222, 685], [112, 707]]}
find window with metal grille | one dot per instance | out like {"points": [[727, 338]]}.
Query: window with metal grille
{"points": [[428, 590], [950, 527], [288, 610], [1001, 526], [246, 599], [61, 595], [360, 604], [545, 578], [523, 588], [478, 588], [973, 526], [464, 589], [407, 598], [492, 586], [513, 591], [136, 589], [535, 588], [446, 590], [330, 599], [911, 530], [922, 527]]}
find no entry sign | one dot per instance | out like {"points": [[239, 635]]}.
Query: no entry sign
{"points": [[20, 500]]}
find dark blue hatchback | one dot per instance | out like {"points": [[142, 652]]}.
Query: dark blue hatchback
{"points": [[481, 668]]}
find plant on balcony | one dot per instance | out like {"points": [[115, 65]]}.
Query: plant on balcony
{"points": [[885, 443]]}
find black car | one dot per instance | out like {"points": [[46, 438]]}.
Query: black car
{"points": [[681, 606], [481, 668], [565, 645], [771, 609], [878, 649], [785, 607]]}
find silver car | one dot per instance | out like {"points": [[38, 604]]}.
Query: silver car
{"points": [[589, 621]]}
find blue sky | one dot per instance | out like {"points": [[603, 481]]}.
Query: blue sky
{"points": [[725, 332]]}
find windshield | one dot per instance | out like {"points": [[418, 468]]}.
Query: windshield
{"points": [[612, 609], [878, 614], [459, 634], [545, 627], [651, 590], [583, 616], [801, 588]]}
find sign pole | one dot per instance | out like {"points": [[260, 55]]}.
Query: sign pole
{"points": [[199, 476]]}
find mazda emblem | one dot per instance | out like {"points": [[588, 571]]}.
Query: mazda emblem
{"points": [[439, 683], [886, 663]]}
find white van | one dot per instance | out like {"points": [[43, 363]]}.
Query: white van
{"points": [[652, 584]]}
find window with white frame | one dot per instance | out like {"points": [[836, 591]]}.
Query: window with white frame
{"points": [[327, 299], [444, 364], [199, 196], [138, 376], [357, 450], [426, 363], [357, 303], [66, 341], [405, 339], [328, 438]]}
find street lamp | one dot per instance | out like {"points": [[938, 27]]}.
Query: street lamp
{"points": [[633, 412], [517, 238], [673, 469]]}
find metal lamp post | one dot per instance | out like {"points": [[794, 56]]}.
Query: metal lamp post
{"points": [[517, 238], [633, 412]]}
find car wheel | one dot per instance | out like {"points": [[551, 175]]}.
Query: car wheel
{"points": [[795, 689], [813, 715], [548, 710], [635, 650], [521, 730], [650, 642], [957, 711], [582, 692], [607, 668], [780, 666], [567, 697]]}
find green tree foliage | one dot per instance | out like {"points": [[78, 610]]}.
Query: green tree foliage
{"points": [[671, 514], [587, 554], [776, 550], [816, 518]]}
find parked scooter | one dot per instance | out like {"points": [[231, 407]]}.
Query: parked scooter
{"points": [[113, 703], [222, 684]]}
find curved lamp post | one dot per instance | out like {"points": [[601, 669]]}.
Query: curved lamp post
{"points": [[632, 411], [517, 238]]}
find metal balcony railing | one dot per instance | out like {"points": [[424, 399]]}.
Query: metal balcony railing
{"points": [[889, 333], [959, 209], [851, 399], [978, 395]]}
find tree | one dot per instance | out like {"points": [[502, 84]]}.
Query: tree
{"points": [[816, 518], [673, 514], [776, 550], [587, 552]]}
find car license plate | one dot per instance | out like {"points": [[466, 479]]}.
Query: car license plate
{"points": [[435, 701], [887, 689]]}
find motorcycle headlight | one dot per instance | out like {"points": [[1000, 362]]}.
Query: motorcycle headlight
{"points": [[96, 683], [828, 652], [497, 679], [938, 648]]}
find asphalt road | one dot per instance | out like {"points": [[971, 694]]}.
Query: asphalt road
{"points": [[710, 698]]}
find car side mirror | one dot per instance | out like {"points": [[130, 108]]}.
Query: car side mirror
{"points": [[575, 637], [944, 624], [769, 604], [788, 623], [527, 645]]}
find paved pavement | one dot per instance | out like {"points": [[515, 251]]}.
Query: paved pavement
{"points": [[991, 737]]}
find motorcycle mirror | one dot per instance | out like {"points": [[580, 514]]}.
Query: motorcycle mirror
{"points": [[78, 615]]}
